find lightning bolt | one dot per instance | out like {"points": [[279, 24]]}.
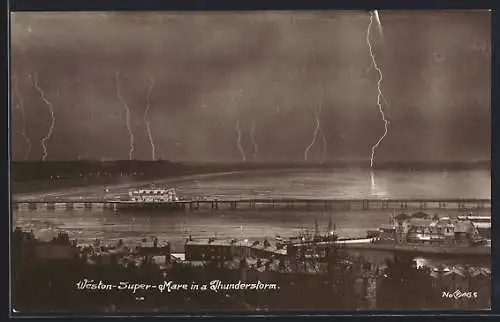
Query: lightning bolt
{"points": [[315, 134], [379, 88], [145, 118], [324, 146], [23, 115], [46, 138], [238, 128], [127, 117], [379, 24], [252, 137], [238, 140]]}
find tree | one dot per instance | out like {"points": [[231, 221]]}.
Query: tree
{"points": [[404, 286]]}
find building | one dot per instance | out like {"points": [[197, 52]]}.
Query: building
{"points": [[420, 230], [482, 223], [212, 249], [424, 231], [388, 233], [228, 249]]}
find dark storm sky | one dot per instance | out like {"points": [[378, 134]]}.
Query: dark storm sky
{"points": [[269, 70]]}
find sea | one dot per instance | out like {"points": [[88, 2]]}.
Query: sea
{"points": [[175, 227]]}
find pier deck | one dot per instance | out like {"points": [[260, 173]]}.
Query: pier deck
{"points": [[267, 204]]}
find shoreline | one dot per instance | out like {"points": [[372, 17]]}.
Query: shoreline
{"points": [[442, 251], [21, 196]]}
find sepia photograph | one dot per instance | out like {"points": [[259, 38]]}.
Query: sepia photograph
{"points": [[250, 161]]}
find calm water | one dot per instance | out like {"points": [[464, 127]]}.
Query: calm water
{"points": [[334, 184]]}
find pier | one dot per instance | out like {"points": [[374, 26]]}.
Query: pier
{"points": [[412, 249], [265, 204]]}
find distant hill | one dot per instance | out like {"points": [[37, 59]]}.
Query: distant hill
{"points": [[361, 164], [60, 170], [34, 176], [33, 171]]}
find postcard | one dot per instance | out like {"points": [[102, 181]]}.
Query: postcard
{"points": [[250, 161]]}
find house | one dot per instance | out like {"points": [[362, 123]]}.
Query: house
{"points": [[453, 278], [387, 232], [421, 231], [446, 227], [432, 231], [211, 249], [464, 232]]}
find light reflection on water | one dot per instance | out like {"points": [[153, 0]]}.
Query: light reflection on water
{"points": [[332, 184]]}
